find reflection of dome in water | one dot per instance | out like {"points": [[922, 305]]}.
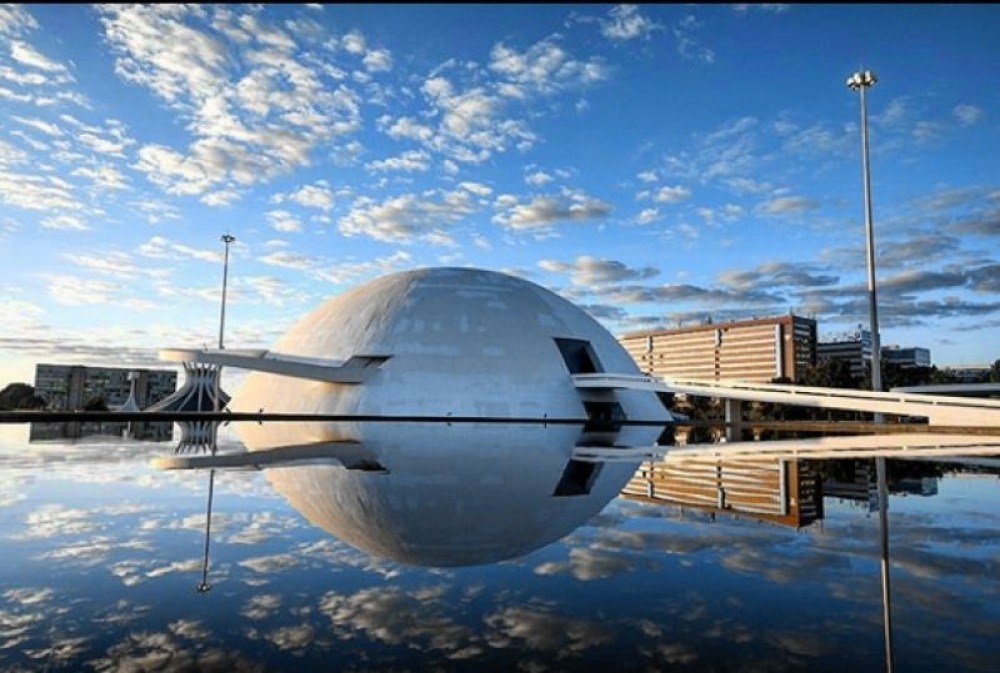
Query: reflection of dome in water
{"points": [[460, 342]]}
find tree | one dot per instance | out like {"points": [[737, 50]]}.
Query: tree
{"points": [[830, 374], [20, 396], [96, 404]]}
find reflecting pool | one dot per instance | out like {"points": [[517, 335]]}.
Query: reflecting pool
{"points": [[703, 566]]}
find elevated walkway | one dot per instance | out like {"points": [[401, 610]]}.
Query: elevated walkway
{"points": [[356, 369], [938, 409]]}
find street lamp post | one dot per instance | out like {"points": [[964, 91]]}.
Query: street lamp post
{"points": [[860, 82], [227, 239]]}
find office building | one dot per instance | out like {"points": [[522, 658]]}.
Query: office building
{"points": [[912, 356], [71, 387], [854, 348], [759, 350]]}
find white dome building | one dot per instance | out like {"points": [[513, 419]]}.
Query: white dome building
{"points": [[445, 346]]}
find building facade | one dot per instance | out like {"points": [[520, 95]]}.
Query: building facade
{"points": [[855, 349], [759, 350], [912, 356], [70, 387]]}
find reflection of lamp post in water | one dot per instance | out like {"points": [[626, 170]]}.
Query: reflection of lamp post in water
{"points": [[204, 586], [860, 82]]}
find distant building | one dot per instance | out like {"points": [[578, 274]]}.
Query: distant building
{"points": [[855, 349], [969, 373], [761, 350], [912, 356], [70, 387]]}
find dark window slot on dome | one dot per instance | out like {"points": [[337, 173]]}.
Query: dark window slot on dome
{"points": [[579, 356], [578, 478]]}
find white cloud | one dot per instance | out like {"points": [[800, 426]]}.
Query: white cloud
{"points": [[40, 125], [772, 8], [545, 67], [625, 22], [788, 205], [968, 115], [586, 271], [289, 260], [282, 220], [159, 247], [16, 20], [648, 215], [65, 223], [405, 127], [256, 106], [407, 217], [316, 195], [75, 291], [476, 188], [354, 43], [221, 197], [411, 161], [671, 194], [539, 214], [27, 55], [378, 60], [35, 192], [104, 177], [538, 178]]}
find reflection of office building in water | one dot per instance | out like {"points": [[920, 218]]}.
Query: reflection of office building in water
{"points": [[146, 431], [71, 387], [786, 492], [758, 350], [852, 481]]}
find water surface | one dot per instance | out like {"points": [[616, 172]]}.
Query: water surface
{"points": [[102, 557]]}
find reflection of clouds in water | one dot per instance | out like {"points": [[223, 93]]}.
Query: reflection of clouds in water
{"points": [[171, 651], [396, 617], [674, 653], [540, 629], [28, 595], [591, 564], [261, 606], [94, 551], [291, 637], [121, 613], [59, 651], [189, 566], [260, 527], [271, 563]]}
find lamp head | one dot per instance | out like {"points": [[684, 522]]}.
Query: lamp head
{"points": [[863, 78]]}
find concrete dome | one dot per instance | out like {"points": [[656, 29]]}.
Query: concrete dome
{"points": [[460, 343]]}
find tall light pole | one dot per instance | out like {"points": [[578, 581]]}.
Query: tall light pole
{"points": [[227, 238], [860, 82]]}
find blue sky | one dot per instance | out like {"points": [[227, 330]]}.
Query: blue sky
{"points": [[656, 164]]}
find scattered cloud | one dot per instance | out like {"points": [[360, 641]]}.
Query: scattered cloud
{"points": [[588, 271], [538, 215]]}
